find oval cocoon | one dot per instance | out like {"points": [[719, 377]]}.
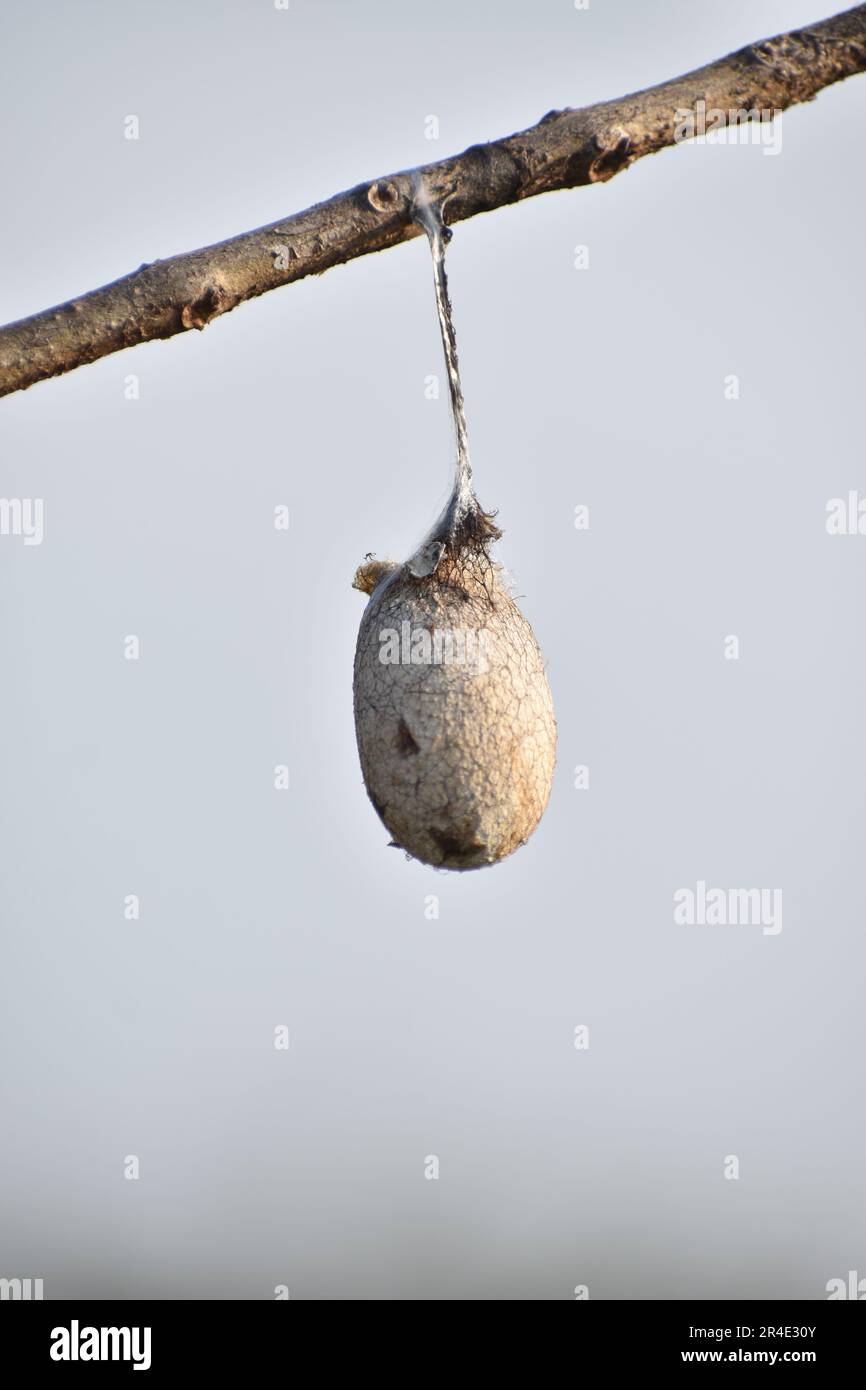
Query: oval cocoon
{"points": [[453, 715]]}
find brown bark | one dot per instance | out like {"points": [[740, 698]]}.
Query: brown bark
{"points": [[566, 149]]}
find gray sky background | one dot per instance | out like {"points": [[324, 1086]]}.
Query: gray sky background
{"points": [[412, 1037]]}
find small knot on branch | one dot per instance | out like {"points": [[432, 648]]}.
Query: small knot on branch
{"points": [[209, 305], [614, 154], [383, 195]]}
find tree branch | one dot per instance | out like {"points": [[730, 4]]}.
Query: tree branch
{"points": [[566, 149]]}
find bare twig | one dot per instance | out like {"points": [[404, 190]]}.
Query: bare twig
{"points": [[565, 150]]}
